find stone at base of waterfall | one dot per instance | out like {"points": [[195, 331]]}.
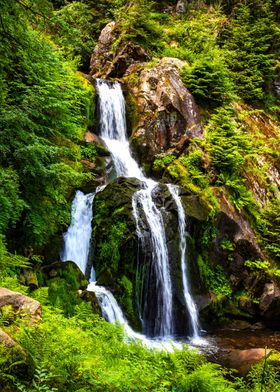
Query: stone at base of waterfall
{"points": [[22, 305], [63, 269], [90, 296], [14, 358], [243, 360]]}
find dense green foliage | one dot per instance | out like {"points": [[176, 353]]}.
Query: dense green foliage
{"points": [[253, 43], [231, 54], [44, 111]]}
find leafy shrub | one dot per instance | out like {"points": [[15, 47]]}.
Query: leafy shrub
{"points": [[213, 278], [256, 265], [88, 353], [250, 39], [44, 112], [161, 162], [209, 81], [73, 29]]}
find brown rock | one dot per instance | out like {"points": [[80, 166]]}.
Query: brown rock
{"points": [[270, 305], [102, 55], [22, 304], [91, 138], [88, 164], [6, 340], [128, 54], [243, 360], [107, 61], [181, 7], [28, 277], [15, 361], [167, 114]]}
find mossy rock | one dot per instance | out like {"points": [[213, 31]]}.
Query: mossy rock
{"points": [[114, 242], [15, 362], [195, 207], [67, 270]]}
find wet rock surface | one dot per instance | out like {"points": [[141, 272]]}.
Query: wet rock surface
{"points": [[270, 305]]}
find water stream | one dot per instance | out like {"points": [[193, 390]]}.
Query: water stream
{"points": [[77, 237], [190, 304], [146, 214], [113, 133]]}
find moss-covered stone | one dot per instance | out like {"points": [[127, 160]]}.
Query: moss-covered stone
{"points": [[64, 279], [114, 243]]}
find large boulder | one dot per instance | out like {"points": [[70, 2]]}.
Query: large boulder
{"points": [[102, 55], [65, 280], [15, 362], [125, 264], [165, 115], [24, 306], [67, 270]]}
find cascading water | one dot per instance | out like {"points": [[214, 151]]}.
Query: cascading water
{"points": [[113, 128], [113, 133], [76, 248], [174, 190], [77, 237], [142, 199], [146, 214]]}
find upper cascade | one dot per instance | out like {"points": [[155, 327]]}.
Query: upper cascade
{"points": [[113, 128]]}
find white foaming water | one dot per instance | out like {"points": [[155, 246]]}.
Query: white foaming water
{"points": [[113, 313], [113, 132], [76, 248], [77, 237], [113, 128], [174, 190], [142, 200]]}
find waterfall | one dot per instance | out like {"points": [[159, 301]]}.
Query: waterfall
{"points": [[76, 248], [77, 237], [142, 200], [112, 128], [147, 215], [190, 305], [113, 133]]}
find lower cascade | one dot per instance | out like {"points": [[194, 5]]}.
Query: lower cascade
{"points": [[146, 215], [77, 237], [190, 304]]}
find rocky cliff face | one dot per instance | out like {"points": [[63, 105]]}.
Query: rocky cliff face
{"points": [[163, 119], [166, 116]]}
